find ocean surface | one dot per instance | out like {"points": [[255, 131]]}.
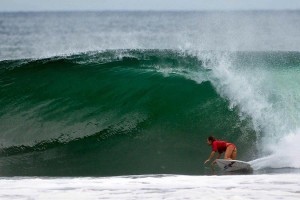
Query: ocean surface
{"points": [[119, 104]]}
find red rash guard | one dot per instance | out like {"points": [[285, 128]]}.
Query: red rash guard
{"points": [[219, 146]]}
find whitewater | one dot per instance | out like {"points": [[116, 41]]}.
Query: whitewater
{"points": [[111, 105], [154, 187]]}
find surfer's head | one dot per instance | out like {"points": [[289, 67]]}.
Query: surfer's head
{"points": [[210, 140]]}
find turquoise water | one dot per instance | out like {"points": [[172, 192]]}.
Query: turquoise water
{"points": [[139, 111]]}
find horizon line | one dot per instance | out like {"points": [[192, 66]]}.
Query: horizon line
{"points": [[150, 10]]}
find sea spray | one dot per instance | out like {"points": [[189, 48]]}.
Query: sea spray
{"points": [[284, 154], [268, 93]]}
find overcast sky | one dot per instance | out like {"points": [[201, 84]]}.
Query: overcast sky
{"points": [[48, 5]]}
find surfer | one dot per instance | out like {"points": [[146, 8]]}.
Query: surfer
{"points": [[221, 146]]}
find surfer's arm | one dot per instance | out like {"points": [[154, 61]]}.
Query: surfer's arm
{"points": [[210, 157], [219, 155]]}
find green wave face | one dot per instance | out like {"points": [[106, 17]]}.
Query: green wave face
{"points": [[125, 112]]}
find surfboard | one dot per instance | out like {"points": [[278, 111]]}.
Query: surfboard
{"points": [[233, 165]]}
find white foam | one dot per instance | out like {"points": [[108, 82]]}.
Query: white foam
{"points": [[285, 154], [154, 187], [186, 73]]}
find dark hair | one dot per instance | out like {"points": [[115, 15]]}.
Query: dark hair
{"points": [[211, 138]]}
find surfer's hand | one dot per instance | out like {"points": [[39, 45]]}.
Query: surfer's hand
{"points": [[213, 163], [206, 162]]}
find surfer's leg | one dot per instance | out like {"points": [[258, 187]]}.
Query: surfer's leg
{"points": [[230, 153], [234, 154]]}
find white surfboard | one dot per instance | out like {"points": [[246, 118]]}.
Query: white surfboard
{"points": [[233, 165]]}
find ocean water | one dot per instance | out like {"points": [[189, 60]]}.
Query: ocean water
{"points": [[119, 104]]}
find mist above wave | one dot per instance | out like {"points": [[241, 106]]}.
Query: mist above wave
{"points": [[36, 35]]}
